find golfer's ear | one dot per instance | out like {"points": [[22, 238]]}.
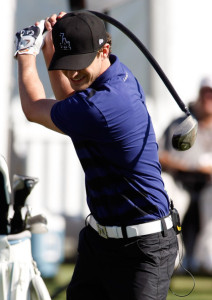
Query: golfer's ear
{"points": [[106, 50]]}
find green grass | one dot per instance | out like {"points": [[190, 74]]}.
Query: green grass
{"points": [[180, 285], [60, 280]]}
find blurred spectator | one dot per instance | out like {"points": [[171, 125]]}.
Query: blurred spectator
{"points": [[192, 169]]}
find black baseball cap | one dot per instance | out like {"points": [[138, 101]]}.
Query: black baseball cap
{"points": [[77, 37]]}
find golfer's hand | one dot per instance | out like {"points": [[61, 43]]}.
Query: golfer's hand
{"points": [[49, 24], [50, 21], [30, 39]]}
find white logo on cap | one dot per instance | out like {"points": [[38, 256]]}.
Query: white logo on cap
{"points": [[64, 44], [101, 41]]}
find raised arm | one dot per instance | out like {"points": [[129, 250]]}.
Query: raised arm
{"points": [[32, 94], [33, 99], [59, 82]]}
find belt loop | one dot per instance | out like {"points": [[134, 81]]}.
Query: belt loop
{"points": [[87, 219], [164, 227], [124, 232]]}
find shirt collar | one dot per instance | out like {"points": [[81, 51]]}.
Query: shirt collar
{"points": [[114, 70]]}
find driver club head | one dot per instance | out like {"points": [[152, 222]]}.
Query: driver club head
{"points": [[185, 134]]}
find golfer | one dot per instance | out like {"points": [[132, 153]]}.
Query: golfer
{"points": [[127, 249]]}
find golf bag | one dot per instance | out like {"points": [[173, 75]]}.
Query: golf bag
{"points": [[19, 276]]}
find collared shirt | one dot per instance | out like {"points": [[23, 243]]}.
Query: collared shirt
{"points": [[115, 141]]}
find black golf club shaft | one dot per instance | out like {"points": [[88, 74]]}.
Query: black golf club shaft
{"points": [[5, 191], [3, 206], [148, 55]]}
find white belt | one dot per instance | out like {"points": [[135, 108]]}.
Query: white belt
{"points": [[131, 231]]}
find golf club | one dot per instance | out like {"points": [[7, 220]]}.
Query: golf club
{"points": [[36, 224], [185, 134], [22, 186], [5, 191]]}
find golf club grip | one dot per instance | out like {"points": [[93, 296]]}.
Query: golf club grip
{"points": [[148, 55]]}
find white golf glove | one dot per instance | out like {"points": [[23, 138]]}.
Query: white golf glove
{"points": [[30, 40]]}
